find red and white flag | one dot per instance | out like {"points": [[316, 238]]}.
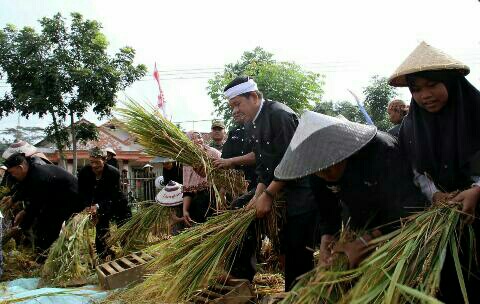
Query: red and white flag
{"points": [[161, 97]]}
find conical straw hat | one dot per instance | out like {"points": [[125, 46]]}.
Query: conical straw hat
{"points": [[19, 147], [321, 141], [425, 58]]}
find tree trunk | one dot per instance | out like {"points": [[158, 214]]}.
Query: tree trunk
{"points": [[74, 143], [58, 142]]}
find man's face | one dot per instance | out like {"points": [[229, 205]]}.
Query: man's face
{"points": [[168, 166], [109, 155], [333, 173], [97, 165], [19, 172], [244, 107], [396, 112], [429, 95], [218, 134]]}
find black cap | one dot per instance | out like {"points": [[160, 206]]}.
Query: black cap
{"points": [[14, 160]]}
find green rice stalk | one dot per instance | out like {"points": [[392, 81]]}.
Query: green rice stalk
{"points": [[404, 268], [71, 257], [407, 268], [134, 234], [325, 284], [191, 260], [161, 137]]}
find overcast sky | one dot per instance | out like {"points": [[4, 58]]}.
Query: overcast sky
{"points": [[347, 41]]}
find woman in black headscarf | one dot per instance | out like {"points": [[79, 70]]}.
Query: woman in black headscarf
{"points": [[441, 138]]}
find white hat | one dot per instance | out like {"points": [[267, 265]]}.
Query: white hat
{"points": [[3, 167], [321, 141], [425, 58], [20, 147], [171, 195], [147, 166], [110, 150], [158, 182]]}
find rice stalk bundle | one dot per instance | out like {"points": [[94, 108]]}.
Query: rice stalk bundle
{"points": [[404, 268], [161, 137], [191, 260], [4, 190], [268, 283], [134, 234], [71, 257], [325, 284], [407, 268]]}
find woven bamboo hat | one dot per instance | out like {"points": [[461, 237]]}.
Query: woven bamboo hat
{"points": [[171, 195], [425, 58], [321, 141], [19, 147]]}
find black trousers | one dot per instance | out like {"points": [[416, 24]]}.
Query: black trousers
{"points": [[299, 240], [450, 292], [101, 234], [244, 265]]}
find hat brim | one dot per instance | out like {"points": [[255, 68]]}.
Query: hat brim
{"points": [[169, 199], [26, 149], [324, 148], [400, 79]]}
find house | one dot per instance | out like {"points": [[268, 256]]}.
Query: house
{"points": [[130, 155]]}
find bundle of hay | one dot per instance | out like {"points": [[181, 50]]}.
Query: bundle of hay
{"points": [[191, 260], [404, 268], [161, 137], [71, 257], [134, 235]]}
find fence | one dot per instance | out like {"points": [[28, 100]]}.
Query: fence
{"points": [[138, 188]]}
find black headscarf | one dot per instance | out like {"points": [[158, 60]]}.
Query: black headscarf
{"points": [[446, 144]]}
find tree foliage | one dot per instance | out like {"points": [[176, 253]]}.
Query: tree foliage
{"points": [[347, 109], [29, 134], [62, 72], [377, 96], [285, 82]]}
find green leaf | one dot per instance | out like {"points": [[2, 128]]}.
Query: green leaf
{"points": [[458, 267]]}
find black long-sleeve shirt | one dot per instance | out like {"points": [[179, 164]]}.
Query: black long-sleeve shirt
{"points": [[51, 192], [271, 134], [238, 144], [105, 191], [376, 189]]}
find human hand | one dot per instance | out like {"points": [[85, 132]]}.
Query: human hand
{"points": [[469, 199], [187, 219], [223, 163], [326, 245], [263, 205]]}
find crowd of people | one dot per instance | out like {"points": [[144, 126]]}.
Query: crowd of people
{"points": [[43, 196], [328, 170]]}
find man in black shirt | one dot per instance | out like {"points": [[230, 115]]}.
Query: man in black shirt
{"points": [[272, 127], [397, 110], [357, 173], [111, 160], [237, 152], [99, 187], [52, 195]]}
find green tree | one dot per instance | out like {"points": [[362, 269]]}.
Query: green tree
{"points": [[377, 96], [344, 108], [285, 82], [62, 72], [29, 134]]}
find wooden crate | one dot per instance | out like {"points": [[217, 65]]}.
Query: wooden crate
{"points": [[123, 271], [237, 292]]}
